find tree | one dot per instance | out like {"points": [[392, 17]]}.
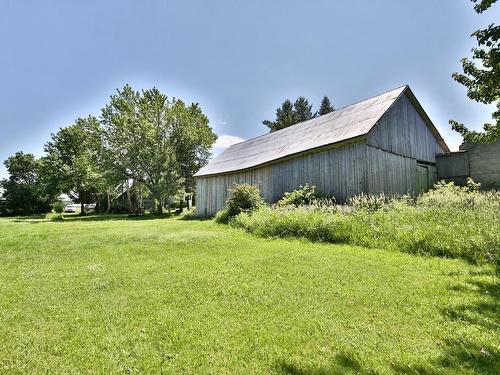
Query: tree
{"points": [[285, 117], [289, 114], [156, 141], [325, 107], [303, 110], [24, 192], [483, 81], [192, 139], [71, 163]]}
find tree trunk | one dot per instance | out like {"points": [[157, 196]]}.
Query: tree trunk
{"points": [[181, 204], [108, 207], [129, 198]]}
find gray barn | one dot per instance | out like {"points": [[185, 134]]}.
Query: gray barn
{"points": [[385, 144]]}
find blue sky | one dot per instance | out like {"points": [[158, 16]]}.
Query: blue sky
{"points": [[61, 60]]}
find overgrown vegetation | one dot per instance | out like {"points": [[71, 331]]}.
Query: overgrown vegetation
{"points": [[303, 195], [448, 221], [245, 198]]}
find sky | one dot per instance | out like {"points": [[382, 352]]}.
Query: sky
{"points": [[60, 60]]}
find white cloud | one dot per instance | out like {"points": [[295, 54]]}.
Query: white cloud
{"points": [[226, 140]]}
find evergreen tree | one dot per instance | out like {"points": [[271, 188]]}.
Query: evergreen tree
{"points": [[285, 117], [303, 110], [325, 107], [482, 80]]}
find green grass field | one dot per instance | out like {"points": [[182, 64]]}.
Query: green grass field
{"points": [[117, 295]]}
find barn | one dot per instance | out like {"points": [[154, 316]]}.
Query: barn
{"points": [[384, 144]]}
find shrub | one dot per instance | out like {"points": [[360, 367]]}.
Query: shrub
{"points": [[448, 221], [58, 207], [304, 195], [244, 198]]}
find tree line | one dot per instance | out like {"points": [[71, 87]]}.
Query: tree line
{"points": [[289, 113], [143, 142]]}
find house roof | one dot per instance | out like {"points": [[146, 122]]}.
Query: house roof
{"points": [[346, 123]]}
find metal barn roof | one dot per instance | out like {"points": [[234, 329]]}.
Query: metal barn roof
{"points": [[342, 124]]}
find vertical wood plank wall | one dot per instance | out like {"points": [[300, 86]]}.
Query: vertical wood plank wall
{"points": [[339, 172], [404, 132], [389, 173]]}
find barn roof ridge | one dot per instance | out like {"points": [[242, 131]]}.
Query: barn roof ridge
{"points": [[348, 122], [336, 109]]}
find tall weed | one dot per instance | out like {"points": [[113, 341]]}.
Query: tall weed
{"points": [[448, 221]]}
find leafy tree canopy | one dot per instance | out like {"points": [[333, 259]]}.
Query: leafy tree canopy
{"points": [[482, 80], [71, 164], [159, 142], [23, 190]]}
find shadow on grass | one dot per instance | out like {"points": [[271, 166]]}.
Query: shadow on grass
{"points": [[457, 354], [342, 363], [36, 219], [117, 217]]}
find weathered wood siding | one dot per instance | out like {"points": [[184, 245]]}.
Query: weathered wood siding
{"points": [[453, 166], [339, 172], [389, 173], [403, 131], [212, 191]]}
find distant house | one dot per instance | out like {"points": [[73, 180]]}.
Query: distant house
{"points": [[385, 144], [480, 161]]}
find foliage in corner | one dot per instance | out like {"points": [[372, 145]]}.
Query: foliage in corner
{"points": [[302, 196], [483, 80], [244, 198]]}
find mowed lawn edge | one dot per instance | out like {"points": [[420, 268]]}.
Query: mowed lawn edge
{"points": [[112, 295]]}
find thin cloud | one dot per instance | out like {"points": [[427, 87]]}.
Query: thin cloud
{"points": [[226, 140]]}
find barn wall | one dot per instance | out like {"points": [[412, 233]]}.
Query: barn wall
{"points": [[212, 191], [404, 132], [339, 172], [453, 166], [389, 173]]}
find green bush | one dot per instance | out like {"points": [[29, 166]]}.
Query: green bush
{"points": [[58, 207], [449, 221], [244, 198], [304, 195]]}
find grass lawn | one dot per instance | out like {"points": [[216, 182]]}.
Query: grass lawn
{"points": [[117, 295]]}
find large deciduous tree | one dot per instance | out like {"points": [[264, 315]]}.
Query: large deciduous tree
{"points": [[157, 141], [482, 80], [71, 163], [23, 191]]}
